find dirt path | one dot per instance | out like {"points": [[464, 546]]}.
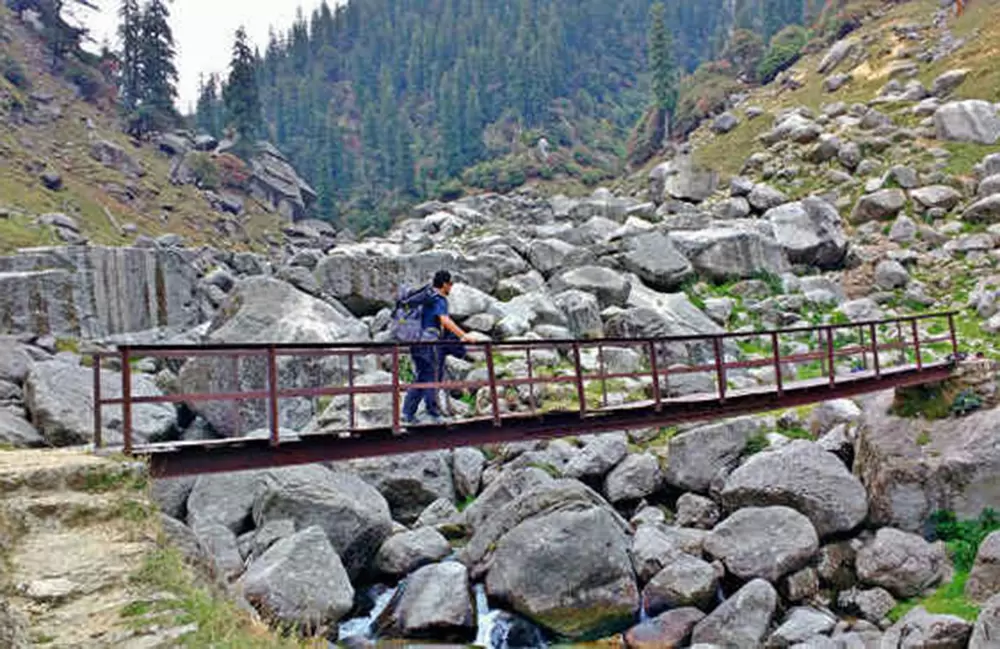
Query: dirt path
{"points": [[74, 530]]}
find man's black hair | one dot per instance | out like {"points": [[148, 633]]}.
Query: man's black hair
{"points": [[441, 278]]}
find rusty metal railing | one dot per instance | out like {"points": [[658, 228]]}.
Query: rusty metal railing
{"points": [[920, 341]]}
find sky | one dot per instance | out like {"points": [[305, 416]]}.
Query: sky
{"points": [[203, 32]]}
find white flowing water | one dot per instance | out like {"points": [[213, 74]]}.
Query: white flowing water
{"points": [[362, 626]]}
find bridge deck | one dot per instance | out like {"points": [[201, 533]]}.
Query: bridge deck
{"points": [[850, 360]]}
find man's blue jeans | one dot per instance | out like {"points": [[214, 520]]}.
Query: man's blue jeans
{"points": [[429, 366]]}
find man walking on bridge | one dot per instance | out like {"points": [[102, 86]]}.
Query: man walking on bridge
{"points": [[429, 359]]}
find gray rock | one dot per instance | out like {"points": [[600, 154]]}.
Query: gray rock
{"points": [[220, 546], [409, 482], [800, 625], [986, 632], [800, 586], [403, 553], [226, 499], [811, 232], [275, 180], [986, 210], [590, 588], [654, 258], [725, 122], [891, 275], [861, 310], [835, 82], [171, 495], [467, 466], [901, 562], [60, 398], [720, 309], [17, 432], [94, 291], [183, 538], [873, 604], [765, 542], [611, 288], [685, 581], [269, 534], [904, 230], [984, 579], [850, 155], [740, 186], [836, 55], [882, 205], [434, 601], [802, 476], [971, 120], [113, 156], [665, 631], [936, 196], [505, 489], [989, 186], [583, 313], [904, 176], [636, 477], [696, 511], [549, 255], [738, 249], [354, 516], [947, 82], [918, 628], [765, 197], [740, 621], [682, 179], [264, 310], [601, 454], [736, 207], [301, 580], [653, 549], [694, 457], [15, 363]]}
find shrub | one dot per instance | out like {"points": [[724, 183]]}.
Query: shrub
{"points": [[704, 93], [87, 80], [232, 171], [450, 190], [203, 168], [963, 538], [782, 53], [646, 137]]}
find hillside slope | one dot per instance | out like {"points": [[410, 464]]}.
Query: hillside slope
{"points": [[111, 188]]}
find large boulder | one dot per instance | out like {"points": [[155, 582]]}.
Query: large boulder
{"points": [[936, 196], [264, 310], [803, 476], [984, 579], [971, 120], [954, 466], [918, 628], [114, 156], [354, 516], [507, 487], [14, 362], [16, 432], [684, 581], [225, 499], [696, 456], [740, 621], [653, 549], [682, 179], [733, 251], [655, 259], [835, 55], [670, 630], [409, 482], [903, 563], [610, 287], [300, 580], [986, 633], [985, 210], [275, 181], [95, 291], [583, 313], [765, 542], [810, 231], [589, 589], [60, 398], [601, 454], [403, 553], [433, 602], [467, 467], [638, 476], [882, 205]]}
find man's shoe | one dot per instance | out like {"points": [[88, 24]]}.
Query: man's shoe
{"points": [[436, 420]]}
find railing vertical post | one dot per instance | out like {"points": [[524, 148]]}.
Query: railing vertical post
{"points": [[350, 396], [395, 388], [491, 370], [604, 381], [580, 392], [874, 335], [272, 393], [916, 343], [531, 380], [98, 424], [126, 360], [720, 369], [954, 337], [822, 359], [237, 415], [830, 359], [657, 397], [864, 350], [902, 345], [776, 351]]}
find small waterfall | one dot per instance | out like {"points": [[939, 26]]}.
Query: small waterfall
{"points": [[498, 629], [362, 626], [486, 620]]}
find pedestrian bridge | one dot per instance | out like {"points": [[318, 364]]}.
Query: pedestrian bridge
{"points": [[516, 391]]}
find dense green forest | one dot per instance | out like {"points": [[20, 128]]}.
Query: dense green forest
{"points": [[382, 102]]}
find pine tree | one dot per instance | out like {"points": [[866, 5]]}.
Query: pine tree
{"points": [[207, 112], [158, 73], [130, 79], [661, 61], [241, 94]]}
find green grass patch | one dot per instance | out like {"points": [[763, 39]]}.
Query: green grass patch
{"points": [[220, 623], [756, 444], [946, 600]]}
